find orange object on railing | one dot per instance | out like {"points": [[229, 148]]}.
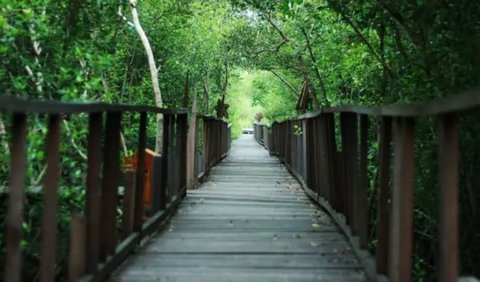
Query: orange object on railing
{"points": [[131, 162]]}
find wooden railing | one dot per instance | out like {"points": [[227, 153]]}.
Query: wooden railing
{"points": [[333, 170], [214, 144], [97, 245]]}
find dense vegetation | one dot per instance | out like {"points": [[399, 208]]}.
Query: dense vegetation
{"points": [[260, 55]]}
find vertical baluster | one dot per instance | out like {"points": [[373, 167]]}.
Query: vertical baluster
{"points": [[77, 256], [94, 156], [294, 152], [448, 178], [49, 217], [401, 229], [165, 161], [361, 198], [156, 183], [384, 163], [310, 147], [324, 158], [318, 162], [172, 161], [348, 122], [16, 177], [140, 178], [331, 158], [111, 176], [128, 203], [206, 147], [183, 135], [191, 162]]}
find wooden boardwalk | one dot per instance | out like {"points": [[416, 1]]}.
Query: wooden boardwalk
{"points": [[250, 221]]}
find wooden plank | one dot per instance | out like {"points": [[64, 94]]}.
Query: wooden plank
{"points": [[259, 228], [448, 154], [401, 228], [304, 261], [242, 274], [49, 217], [16, 180]]}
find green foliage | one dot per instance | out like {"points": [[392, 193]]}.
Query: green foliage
{"points": [[366, 52], [242, 109]]}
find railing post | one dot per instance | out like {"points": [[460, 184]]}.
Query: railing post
{"points": [[317, 162], [111, 176], [140, 178], [77, 256], [401, 228], [448, 178], [49, 217], [128, 203], [94, 183], [325, 157], [165, 161], [384, 167], [182, 133], [310, 156], [361, 198], [13, 267], [331, 158], [348, 122], [156, 183], [191, 152]]}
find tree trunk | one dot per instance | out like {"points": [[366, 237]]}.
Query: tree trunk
{"points": [[153, 72]]}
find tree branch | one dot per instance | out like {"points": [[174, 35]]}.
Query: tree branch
{"points": [[72, 141], [282, 79], [317, 71], [153, 73], [362, 37], [284, 37]]}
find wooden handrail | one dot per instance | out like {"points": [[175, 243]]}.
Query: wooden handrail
{"points": [[15, 105], [215, 139], [336, 175], [103, 249], [460, 103]]}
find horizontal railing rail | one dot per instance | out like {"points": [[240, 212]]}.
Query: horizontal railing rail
{"points": [[456, 104], [327, 151], [15, 105], [100, 238]]}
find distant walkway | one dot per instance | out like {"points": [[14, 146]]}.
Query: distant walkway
{"points": [[250, 222]]}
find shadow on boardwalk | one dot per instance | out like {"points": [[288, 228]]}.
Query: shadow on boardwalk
{"points": [[250, 221]]}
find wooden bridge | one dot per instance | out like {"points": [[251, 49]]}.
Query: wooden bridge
{"points": [[250, 221], [295, 211]]}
